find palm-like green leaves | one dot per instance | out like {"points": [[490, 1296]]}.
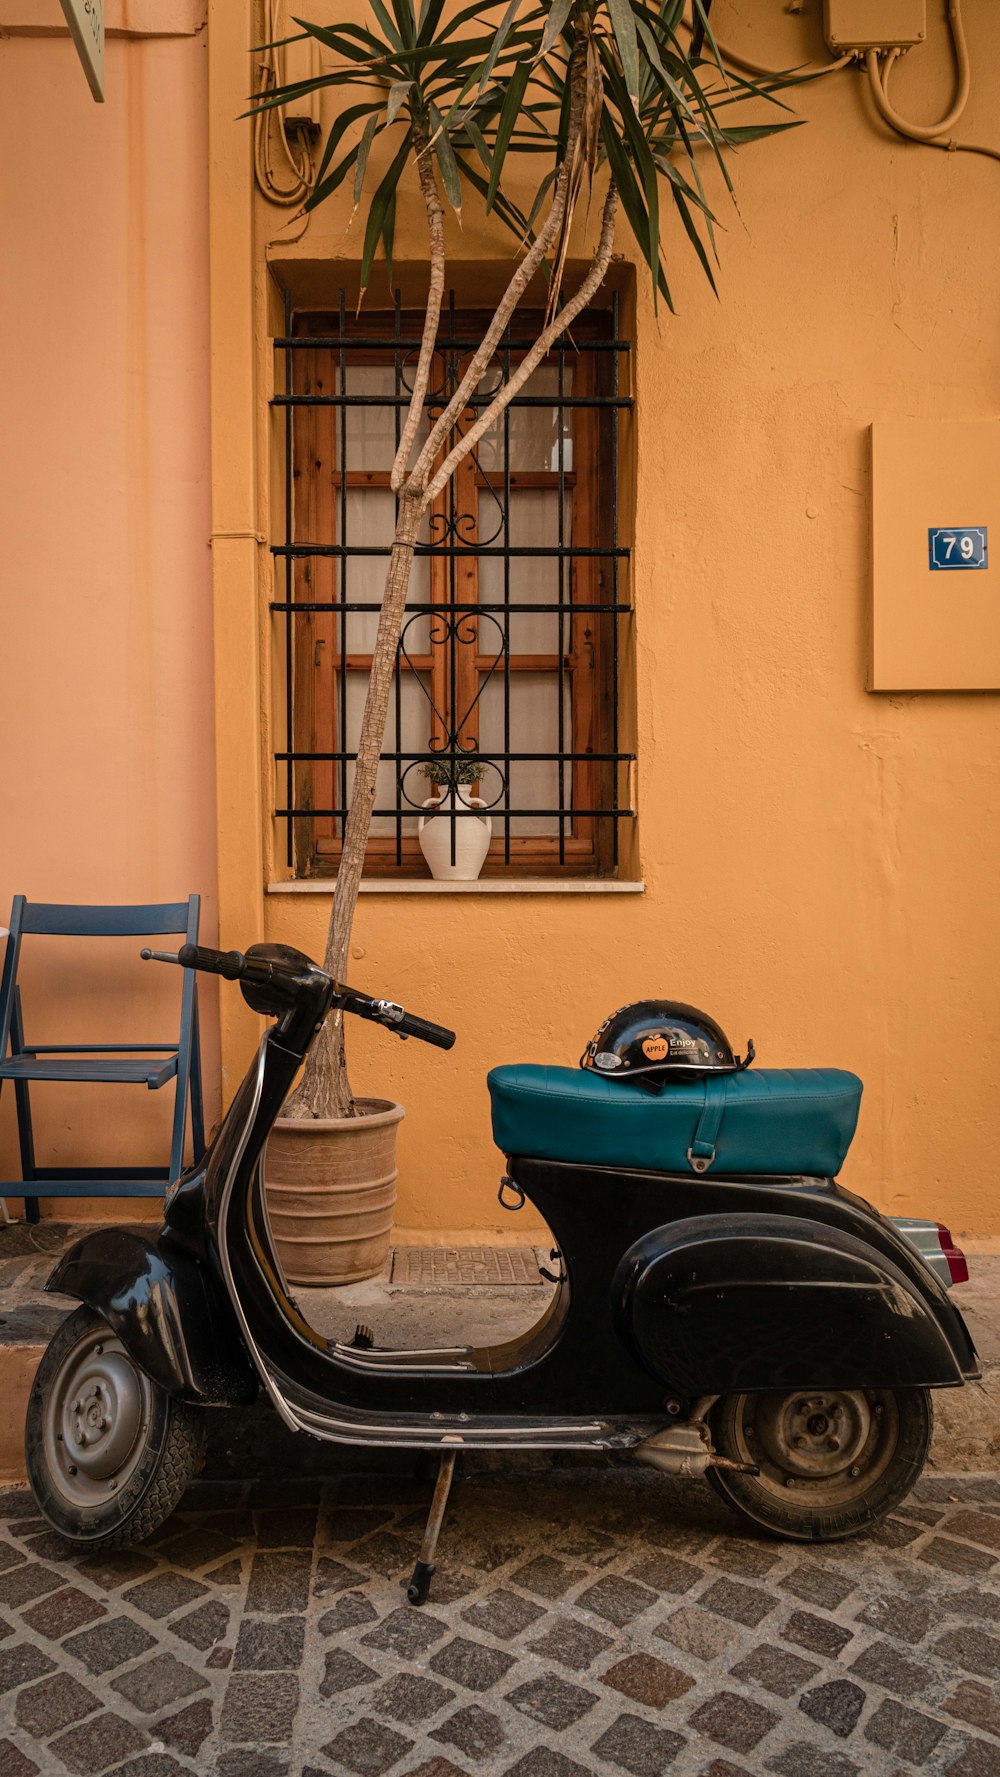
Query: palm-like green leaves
{"points": [[492, 81]]}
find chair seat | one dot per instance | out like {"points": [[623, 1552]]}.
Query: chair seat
{"points": [[138, 1070], [88, 1182]]}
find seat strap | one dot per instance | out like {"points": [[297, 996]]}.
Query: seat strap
{"points": [[701, 1153]]}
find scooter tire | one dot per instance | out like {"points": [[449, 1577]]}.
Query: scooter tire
{"points": [[108, 1452], [784, 1499]]}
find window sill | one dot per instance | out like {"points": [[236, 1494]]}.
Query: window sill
{"points": [[490, 885]]}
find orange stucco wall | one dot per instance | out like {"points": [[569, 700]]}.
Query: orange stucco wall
{"points": [[819, 861], [106, 707]]}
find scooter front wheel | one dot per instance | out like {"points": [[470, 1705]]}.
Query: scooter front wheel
{"points": [[830, 1462], [108, 1452]]}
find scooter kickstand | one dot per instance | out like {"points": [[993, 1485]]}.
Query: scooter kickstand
{"points": [[420, 1583]]}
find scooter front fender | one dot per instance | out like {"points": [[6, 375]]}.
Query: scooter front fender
{"points": [[168, 1310], [760, 1302]]}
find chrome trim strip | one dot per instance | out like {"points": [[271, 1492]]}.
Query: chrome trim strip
{"points": [[472, 1432], [227, 1270], [266, 1215], [355, 1358], [925, 1237]]}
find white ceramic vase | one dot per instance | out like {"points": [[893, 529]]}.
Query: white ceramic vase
{"points": [[472, 838]]}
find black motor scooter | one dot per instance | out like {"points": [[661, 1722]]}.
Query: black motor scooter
{"points": [[770, 1331]]}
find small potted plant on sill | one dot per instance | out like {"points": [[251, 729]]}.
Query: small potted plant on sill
{"points": [[455, 848]]}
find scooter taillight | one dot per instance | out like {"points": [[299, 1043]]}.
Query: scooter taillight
{"points": [[956, 1259]]}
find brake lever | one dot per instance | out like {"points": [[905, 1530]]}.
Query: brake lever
{"points": [[389, 1013], [385, 1012], [160, 956]]}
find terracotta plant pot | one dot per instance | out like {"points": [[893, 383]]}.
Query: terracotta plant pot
{"points": [[331, 1192]]}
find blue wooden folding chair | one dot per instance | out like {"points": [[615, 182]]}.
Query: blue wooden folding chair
{"points": [[139, 1064]]}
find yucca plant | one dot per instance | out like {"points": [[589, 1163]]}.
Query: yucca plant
{"points": [[617, 94]]}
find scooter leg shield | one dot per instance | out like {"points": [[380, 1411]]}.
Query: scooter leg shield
{"points": [[168, 1310]]}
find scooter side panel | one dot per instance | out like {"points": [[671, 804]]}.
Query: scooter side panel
{"points": [[758, 1302], [168, 1311]]}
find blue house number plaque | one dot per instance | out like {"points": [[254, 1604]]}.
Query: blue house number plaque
{"points": [[958, 546]]}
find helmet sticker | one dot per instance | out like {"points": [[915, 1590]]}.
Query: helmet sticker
{"points": [[607, 1061], [656, 1048]]}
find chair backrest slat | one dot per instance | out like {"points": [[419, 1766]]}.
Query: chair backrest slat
{"points": [[53, 919]]}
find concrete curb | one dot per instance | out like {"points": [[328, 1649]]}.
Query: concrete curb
{"points": [[19, 1363]]}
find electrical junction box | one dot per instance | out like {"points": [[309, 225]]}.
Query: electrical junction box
{"points": [[300, 60], [874, 24], [935, 588]]}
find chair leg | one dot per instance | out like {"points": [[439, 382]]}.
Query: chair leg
{"points": [[25, 1133], [197, 1095], [178, 1128], [179, 1125]]}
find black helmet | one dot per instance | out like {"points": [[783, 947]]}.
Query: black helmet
{"points": [[662, 1037]]}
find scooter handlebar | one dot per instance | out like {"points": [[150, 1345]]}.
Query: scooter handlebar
{"points": [[394, 1017], [230, 964], [412, 1026]]}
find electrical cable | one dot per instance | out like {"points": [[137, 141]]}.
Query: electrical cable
{"points": [[811, 70], [300, 166], [879, 79], [746, 66], [929, 134], [952, 147]]}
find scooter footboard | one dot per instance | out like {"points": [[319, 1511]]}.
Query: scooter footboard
{"points": [[169, 1312], [760, 1302]]}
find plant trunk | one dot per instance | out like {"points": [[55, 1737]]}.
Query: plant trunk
{"points": [[325, 1089]]}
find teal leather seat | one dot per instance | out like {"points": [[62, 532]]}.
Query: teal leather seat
{"points": [[764, 1120]]}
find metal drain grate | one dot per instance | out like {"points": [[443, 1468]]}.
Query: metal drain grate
{"points": [[489, 1265]]}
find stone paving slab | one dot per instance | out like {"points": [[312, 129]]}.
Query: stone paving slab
{"points": [[584, 1619]]}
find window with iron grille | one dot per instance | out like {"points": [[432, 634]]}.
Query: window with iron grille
{"points": [[511, 649]]}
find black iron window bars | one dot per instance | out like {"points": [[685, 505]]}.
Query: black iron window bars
{"points": [[511, 650]]}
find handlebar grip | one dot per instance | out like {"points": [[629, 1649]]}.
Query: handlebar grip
{"points": [[412, 1026], [231, 964]]}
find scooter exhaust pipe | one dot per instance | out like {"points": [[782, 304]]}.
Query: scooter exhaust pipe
{"points": [[677, 1450], [686, 1450]]}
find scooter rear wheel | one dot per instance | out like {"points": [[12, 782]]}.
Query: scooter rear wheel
{"points": [[831, 1462], [108, 1452]]}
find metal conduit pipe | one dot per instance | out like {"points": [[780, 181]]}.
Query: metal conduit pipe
{"points": [[929, 134], [298, 167], [879, 78], [813, 69]]}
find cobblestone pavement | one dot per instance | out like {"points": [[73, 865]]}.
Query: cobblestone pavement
{"points": [[584, 1619]]}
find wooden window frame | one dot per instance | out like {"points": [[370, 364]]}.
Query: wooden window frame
{"points": [[585, 844]]}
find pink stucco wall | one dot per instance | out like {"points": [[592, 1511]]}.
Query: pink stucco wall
{"points": [[106, 649]]}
